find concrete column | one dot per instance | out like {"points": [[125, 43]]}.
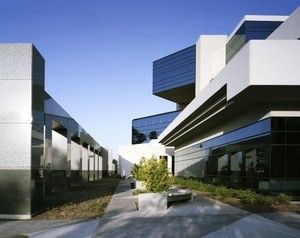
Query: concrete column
{"points": [[59, 161], [22, 133], [96, 166], [100, 167], [48, 157], [76, 162], [69, 158], [85, 163], [91, 164], [210, 59]]}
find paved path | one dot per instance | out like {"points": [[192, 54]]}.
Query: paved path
{"points": [[123, 200], [202, 218]]}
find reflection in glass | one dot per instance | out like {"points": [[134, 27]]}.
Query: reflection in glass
{"points": [[255, 162], [293, 162], [278, 161], [254, 157], [138, 137], [223, 165], [148, 128], [175, 70], [249, 30]]}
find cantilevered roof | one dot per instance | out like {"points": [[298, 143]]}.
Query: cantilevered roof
{"points": [[269, 73]]}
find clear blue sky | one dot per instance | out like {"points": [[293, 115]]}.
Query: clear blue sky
{"points": [[99, 53]]}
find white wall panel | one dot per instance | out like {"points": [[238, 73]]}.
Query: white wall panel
{"points": [[15, 61], [16, 150], [75, 156], [59, 151]]}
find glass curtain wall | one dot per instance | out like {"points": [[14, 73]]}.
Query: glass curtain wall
{"points": [[249, 30], [264, 156], [147, 128], [174, 70]]}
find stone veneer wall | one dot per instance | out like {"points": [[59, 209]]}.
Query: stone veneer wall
{"points": [[21, 126]]}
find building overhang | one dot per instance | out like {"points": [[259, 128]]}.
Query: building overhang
{"points": [[63, 123], [256, 18], [264, 71], [181, 95]]}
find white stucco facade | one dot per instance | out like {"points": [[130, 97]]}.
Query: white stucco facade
{"points": [[131, 154], [210, 59]]}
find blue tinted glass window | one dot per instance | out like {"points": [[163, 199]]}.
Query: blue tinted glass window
{"points": [[248, 157], [249, 30], [147, 125], [254, 130], [175, 70]]}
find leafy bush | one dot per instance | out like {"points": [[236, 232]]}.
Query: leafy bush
{"points": [[136, 170], [248, 199], [283, 199], [246, 196], [223, 192], [265, 200], [154, 173]]}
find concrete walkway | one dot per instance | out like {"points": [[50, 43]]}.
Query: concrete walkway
{"points": [[122, 201], [202, 218]]}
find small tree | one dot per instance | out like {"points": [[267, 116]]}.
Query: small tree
{"points": [[136, 170], [154, 173]]}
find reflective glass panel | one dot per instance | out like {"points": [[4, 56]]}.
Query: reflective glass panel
{"points": [[278, 162], [293, 124], [175, 70], [147, 128], [249, 30], [278, 124], [293, 161]]}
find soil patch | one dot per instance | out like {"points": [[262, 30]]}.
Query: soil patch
{"points": [[86, 201]]}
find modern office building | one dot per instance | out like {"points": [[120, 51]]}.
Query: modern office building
{"points": [[147, 128], [43, 148], [174, 77], [173, 80], [242, 129]]}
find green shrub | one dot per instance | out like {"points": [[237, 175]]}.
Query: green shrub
{"points": [[154, 173], [136, 170], [246, 196], [248, 200], [222, 191], [283, 199], [265, 200]]}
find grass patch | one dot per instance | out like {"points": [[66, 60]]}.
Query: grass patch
{"points": [[139, 191], [245, 199], [79, 202]]}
